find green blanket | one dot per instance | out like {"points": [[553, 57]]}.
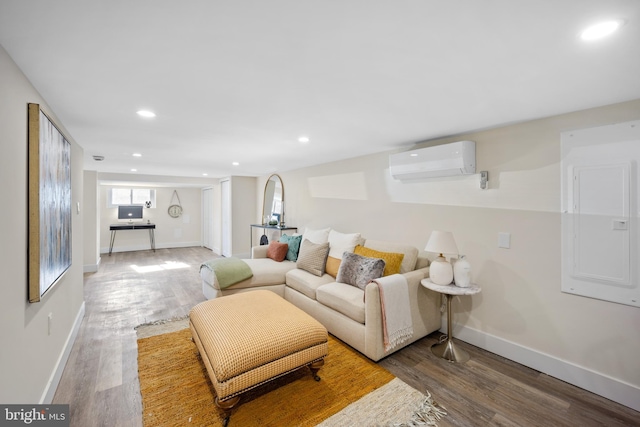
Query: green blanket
{"points": [[229, 270]]}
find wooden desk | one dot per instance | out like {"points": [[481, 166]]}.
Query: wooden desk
{"points": [[133, 226]]}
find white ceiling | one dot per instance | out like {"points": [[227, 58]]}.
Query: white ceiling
{"points": [[241, 80]]}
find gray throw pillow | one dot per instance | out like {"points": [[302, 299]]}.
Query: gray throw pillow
{"points": [[313, 257], [358, 270]]}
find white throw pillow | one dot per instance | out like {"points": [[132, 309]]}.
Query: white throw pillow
{"points": [[340, 243], [316, 236]]}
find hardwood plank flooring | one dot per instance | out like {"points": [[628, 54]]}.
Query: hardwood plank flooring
{"points": [[100, 381]]}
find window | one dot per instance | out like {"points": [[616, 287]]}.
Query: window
{"points": [[131, 196]]}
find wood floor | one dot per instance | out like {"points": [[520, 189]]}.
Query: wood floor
{"points": [[100, 381]]}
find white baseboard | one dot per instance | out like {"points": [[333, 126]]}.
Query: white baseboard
{"points": [[91, 268], [600, 384], [52, 385], [146, 247]]}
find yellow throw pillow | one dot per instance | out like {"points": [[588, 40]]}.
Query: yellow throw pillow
{"points": [[392, 260], [333, 265]]}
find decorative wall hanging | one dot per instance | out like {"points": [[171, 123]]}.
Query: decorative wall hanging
{"points": [[175, 210], [49, 204]]}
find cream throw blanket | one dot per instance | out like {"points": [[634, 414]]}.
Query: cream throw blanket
{"points": [[396, 313]]}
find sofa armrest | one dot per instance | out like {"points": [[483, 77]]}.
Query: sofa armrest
{"points": [[425, 313], [414, 277], [259, 251]]}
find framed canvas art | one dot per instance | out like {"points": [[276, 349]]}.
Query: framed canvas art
{"points": [[49, 204]]}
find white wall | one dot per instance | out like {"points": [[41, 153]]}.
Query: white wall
{"points": [[31, 360], [170, 232], [91, 207], [521, 312], [243, 208]]}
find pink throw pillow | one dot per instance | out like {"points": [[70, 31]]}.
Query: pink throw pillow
{"points": [[277, 251]]}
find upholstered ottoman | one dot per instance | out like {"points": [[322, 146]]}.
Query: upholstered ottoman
{"points": [[250, 338]]}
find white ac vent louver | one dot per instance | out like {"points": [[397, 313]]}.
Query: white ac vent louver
{"points": [[456, 158]]}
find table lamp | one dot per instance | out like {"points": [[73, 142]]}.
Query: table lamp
{"points": [[440, 270]]}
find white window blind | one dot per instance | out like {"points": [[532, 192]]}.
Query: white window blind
{"points": [[131, 196]]}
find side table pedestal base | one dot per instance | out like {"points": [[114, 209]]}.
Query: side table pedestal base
{"points": [[449, 351]]}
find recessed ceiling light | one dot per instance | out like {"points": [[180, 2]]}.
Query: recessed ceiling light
{"points": [[137, 155], [134, 170], [303, 139], [205, 174], [235, 164], [600, 30], [413, 155], [146, 113]]}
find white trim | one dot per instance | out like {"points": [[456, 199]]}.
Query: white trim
{"points": [[91, 268], [146, 247], [614, 389], [54, 380]]}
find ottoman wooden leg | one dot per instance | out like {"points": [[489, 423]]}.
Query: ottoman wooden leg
{"points": [[226, 406], [315, 367]]}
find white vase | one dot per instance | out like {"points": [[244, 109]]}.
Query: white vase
{"points": [[440, 271], [462, 272]]}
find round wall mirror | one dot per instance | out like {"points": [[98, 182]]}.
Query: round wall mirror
{"points": [[273, 202]]}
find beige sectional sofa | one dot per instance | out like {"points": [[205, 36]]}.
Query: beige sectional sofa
{"points": [[352, 314]]}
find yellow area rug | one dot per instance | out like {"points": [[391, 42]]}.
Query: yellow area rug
{"points": [[176, 390]]}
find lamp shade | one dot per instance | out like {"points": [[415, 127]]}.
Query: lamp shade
{"points": [[441, 242]]}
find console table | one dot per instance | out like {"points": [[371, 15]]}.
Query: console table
{"points": [[447, 350], [266, 227], [133, 226]]}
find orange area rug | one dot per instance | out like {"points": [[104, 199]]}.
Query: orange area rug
{"points": [[176, 390]]}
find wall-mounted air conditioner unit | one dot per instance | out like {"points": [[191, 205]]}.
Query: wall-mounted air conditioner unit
{"points": [[456, 158]]}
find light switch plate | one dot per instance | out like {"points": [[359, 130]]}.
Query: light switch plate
{"points": [[504, 240]]}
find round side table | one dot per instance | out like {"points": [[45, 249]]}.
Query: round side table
{"points": [[447, 349]]}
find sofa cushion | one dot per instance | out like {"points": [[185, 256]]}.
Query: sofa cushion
{"points": [[316, 236], [343, 298], [313, 257], [306, 283], [410, 252], [392, 260], [277, 251], [340, 243], [358, 270], [294, 245]]}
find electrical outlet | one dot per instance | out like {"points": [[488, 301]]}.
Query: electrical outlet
{"points": [[49, 323], [504, 240]]}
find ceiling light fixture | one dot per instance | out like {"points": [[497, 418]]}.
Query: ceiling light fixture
{"points": [[205, 174], [235, 164], [146, 113], [600, 30], [137, 155], [303, 139]]}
